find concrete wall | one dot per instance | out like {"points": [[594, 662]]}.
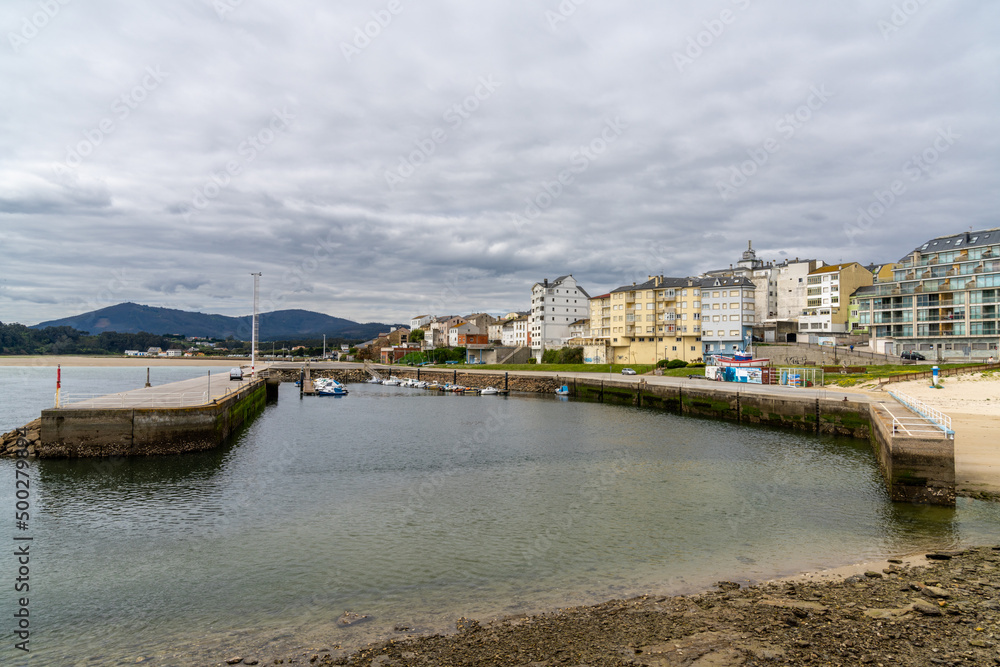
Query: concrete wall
{"points": [[916, 470], [67, 432]]}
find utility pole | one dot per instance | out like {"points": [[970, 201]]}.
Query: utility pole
{"points": [[253, 331]]}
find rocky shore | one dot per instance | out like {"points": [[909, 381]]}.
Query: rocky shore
{"points": [[943, 609], [27, 437]]}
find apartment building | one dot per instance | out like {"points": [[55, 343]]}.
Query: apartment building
{"points": [[943, 299], [654, 320], [779, 287], [515, 332], [828, 292], [728, 314], [554, 307]]}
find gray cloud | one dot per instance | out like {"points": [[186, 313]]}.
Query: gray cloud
{"points": [[140, 158]]}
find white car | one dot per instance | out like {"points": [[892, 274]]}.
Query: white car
{"points": [[628, 371], [236, 374]]}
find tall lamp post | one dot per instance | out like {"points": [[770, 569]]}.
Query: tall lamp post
{"points": [[253, 330]]}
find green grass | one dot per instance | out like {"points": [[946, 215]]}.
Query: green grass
{"points": [[876, 372]]}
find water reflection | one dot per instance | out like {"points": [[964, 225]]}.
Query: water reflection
{"points": [[417, 508]]}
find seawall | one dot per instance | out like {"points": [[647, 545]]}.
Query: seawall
{"points": [[915, 469], [77, 432]]}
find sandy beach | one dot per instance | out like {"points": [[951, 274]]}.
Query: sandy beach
{"points": [[973, 403]]}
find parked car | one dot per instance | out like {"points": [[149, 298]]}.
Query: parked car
{"points": [[916, 356], [628, 371], [236, 374]]}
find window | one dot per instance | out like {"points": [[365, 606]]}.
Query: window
{"points": [[674, 348]]}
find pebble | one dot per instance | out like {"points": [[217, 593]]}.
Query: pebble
{"points": [[927, 609]]}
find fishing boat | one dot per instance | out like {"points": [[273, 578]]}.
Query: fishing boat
{"points": [[489, 391], [393, 381]]}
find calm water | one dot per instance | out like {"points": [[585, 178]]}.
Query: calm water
{"points": [[419, 508]]}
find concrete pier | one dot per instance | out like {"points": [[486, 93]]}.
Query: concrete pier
{"points": [[178, 417]]}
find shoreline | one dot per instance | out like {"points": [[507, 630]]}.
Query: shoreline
{"points": [[46, 361], [902, 611]]}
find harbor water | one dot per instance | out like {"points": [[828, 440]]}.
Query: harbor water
{"points": [[416, 508]]}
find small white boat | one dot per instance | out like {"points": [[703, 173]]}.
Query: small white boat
{"points": [[393, 381], [419, 384], [329, 387], [374, 380], [562, 391], [489, 391]]}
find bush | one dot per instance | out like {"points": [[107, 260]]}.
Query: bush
{"points": [[677, 363], [661, 363], [531, 360], [550, 357], [696, 364], [571, 355]]}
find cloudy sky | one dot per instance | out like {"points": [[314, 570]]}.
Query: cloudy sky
{"points": [[386, 158]]}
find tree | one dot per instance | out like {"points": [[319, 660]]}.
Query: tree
{"points": [[416, 334]]}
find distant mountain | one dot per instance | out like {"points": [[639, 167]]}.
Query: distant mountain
{"points": [[276, 325]]}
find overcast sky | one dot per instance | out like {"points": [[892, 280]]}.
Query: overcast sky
{"points": [[377, 160]]}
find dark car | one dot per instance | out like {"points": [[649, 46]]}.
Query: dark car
{"points": [[916, 356]]}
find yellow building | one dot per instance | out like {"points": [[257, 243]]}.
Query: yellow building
{"points": [[658, 319]]}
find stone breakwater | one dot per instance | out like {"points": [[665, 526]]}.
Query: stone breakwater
{"points": [[941, 608], [27, 438]]}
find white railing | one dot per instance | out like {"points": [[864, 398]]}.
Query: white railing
{"points": [[932, 415], [136, 400]]}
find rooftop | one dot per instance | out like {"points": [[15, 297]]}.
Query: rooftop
{"points": [[963, 240]]}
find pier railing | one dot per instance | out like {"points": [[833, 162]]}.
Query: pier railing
{"points": [[933, 415]]}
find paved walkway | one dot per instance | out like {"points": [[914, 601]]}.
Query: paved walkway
{"points": [[182, 394]]}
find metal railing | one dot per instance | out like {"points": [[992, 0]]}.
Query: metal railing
{"points": [[933, 415]]}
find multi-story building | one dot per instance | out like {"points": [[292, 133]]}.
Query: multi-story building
{"points": [[462, 332], [658, 319], [554, 307], [727, 314], [943, 299], [779, 287], [828, 292], [482, 321], [515, 332], [419, 321]]}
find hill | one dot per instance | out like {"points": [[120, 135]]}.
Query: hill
{"points": [[279, 324]]}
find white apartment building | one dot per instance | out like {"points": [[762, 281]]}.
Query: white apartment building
{"points": [[554, 307], [779, 288], [419, 321], [728, 313], [515, 332]]}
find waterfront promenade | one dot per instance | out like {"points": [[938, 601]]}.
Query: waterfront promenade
{"points": [[209, 388]]}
